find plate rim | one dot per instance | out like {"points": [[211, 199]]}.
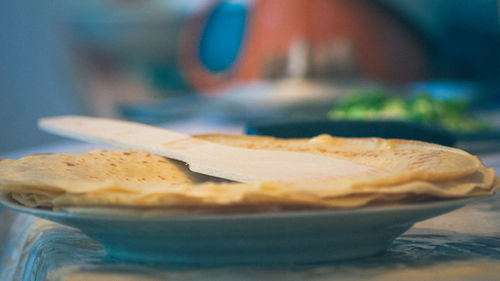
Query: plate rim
{"points": [[10, 203]]}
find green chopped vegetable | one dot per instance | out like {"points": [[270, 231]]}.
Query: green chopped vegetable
{"points": [[423, 108]]}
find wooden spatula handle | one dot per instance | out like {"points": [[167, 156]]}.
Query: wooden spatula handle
{"points": [[217, 160], [111, 132]]}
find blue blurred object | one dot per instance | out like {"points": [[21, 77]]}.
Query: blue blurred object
{"points": [[447, 89], [223, 35]]}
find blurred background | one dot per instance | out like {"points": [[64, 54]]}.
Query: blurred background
{"points": [[254, 62]]}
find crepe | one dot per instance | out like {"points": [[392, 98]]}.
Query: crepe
{"points": [[407, 171]]}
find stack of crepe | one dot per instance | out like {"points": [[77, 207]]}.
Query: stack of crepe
{"points": [[405, 171]]}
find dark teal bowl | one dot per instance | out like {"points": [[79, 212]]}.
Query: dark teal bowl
{"points": [[345, 128]]}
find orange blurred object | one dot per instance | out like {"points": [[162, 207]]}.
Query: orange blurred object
{"points": [[335, 38]]}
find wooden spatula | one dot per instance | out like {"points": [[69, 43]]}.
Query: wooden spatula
{"points": [[238, 164]]}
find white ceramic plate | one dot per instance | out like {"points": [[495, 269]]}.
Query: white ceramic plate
{"points": [[261, 238]]}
